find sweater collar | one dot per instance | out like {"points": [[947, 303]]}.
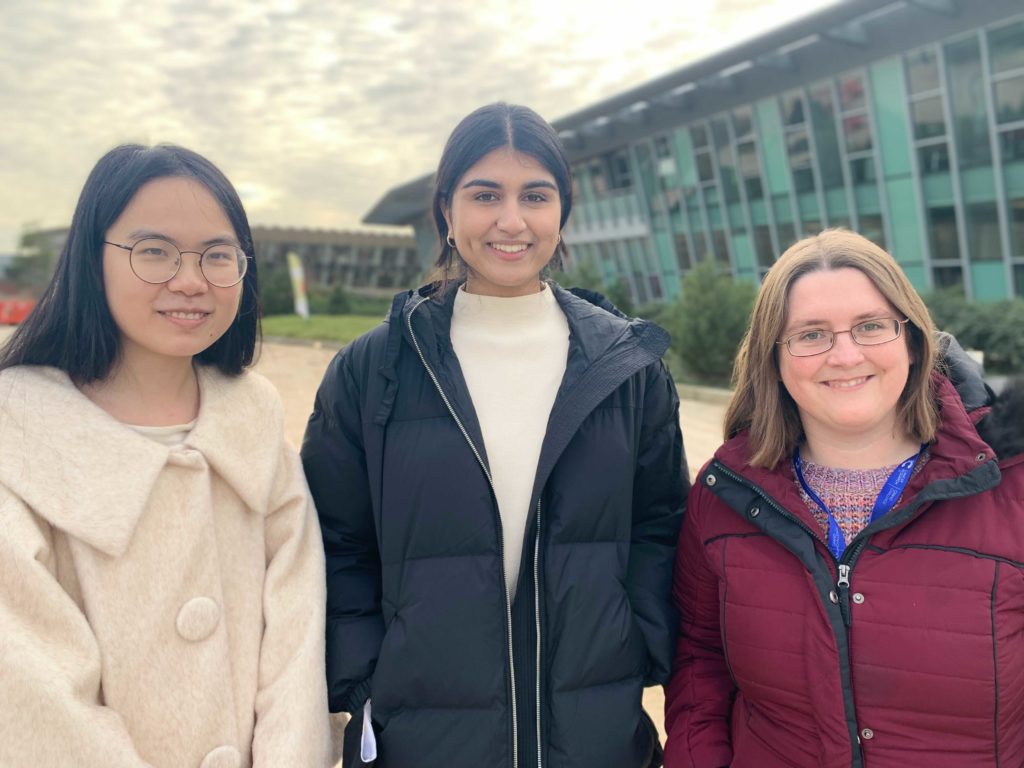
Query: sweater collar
{"points": [[91, 476]]}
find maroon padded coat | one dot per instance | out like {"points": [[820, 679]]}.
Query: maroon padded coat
{"points": [[917, 659]]}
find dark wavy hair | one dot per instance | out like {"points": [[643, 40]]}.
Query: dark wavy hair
{"points": [[71, 327], [481, 132]]}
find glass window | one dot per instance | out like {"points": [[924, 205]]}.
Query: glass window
{"points": [[947, 277], [1010, 100], [1006, 47], [825, 138], [721, 245], [661, 148], [933, 159], [763, 246], [967, 100], [621, 175], [857, 131], [705, 171], [923, 71], [1012, 143], [798, 149], [929, 121], [726, 164], [743, 122], [748, 167], [871, 228], [983, 232], [811, 227], [787, 235], [1016, 209], [942, 229], [792, 108], [803, 180], [862, 170], [1018, 279], [851, 92], [699, 136], [655, 287], [700, 246], [683, 256]]}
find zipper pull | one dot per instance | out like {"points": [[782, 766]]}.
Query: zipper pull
{"points": [[843, 584], [844, 576]]}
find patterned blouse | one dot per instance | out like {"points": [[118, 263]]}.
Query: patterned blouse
{"points": [[849, 493]]}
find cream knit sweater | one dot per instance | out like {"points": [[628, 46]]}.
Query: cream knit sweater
{"points": [[512, 352]]}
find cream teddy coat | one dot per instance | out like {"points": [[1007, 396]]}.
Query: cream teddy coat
{"points": [[159, 606]]}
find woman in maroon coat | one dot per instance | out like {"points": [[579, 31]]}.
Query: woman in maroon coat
{"points": [[851, 568]]}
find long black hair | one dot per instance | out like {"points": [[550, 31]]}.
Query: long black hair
{"points": [[482, 131], [71, 327]]}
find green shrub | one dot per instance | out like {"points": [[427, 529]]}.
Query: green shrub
{"points": [[708, 322], [276, 292], [586, 276], [995, 328]]}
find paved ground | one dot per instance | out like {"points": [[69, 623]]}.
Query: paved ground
{"points": [[296, 371]]}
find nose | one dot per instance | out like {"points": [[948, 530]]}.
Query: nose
{"points": [[510, 218], [189, 279], [845, 351]]}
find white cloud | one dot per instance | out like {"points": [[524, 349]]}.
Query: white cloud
{"points": [[313, 109]]}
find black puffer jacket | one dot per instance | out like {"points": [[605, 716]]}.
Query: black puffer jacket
{"points": [[417, 615]]}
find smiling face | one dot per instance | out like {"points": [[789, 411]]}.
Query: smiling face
{"points": [[184, 316], [850, 391], [504, 215]]}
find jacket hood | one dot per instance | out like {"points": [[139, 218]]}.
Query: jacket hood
{"points": [[596, 327]]}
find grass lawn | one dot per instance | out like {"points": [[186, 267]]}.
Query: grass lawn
{"points": [[340, 329]]}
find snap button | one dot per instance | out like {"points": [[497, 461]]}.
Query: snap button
{"points": [[867, 733], [197, 619], [858, 598], [710, 480], [980, 457], [222, 757], [833, 596], [755, 511]]}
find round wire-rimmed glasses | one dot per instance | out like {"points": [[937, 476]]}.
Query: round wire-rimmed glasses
{"points": [[816, 341], [157, 261]]}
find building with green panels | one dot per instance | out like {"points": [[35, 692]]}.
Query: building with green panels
{"points": [[902, 120]]}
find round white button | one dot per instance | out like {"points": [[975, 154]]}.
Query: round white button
{"points": [[867, 733], [198, 618], [222, 757], [858, 598]]}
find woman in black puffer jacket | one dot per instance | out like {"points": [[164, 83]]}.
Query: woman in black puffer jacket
{"points": [[500, 477]]}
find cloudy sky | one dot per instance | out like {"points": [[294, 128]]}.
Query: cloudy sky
{"points": [[314, 109]]}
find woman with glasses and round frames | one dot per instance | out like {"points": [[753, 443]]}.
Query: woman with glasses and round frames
{"points": [[499, 474], [850, 573], [161, 572]]}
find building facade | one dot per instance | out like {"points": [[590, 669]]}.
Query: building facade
{"points": [[902, 120], [366, 261]]}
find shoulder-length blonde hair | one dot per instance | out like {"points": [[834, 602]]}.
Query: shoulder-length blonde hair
{"points": [[760, 401]]}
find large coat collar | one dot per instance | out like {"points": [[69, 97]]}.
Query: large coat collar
{"points": [[595, 326], [91, 476]]}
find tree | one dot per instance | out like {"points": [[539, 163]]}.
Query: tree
{"points": [[34, 262], [708, 322]]}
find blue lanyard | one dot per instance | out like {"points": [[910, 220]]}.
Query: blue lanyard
{"points": [[887, 498]]}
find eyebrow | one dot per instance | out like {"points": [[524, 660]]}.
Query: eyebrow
{"points": [[539, 184], [146, 234], [857, 319]]}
